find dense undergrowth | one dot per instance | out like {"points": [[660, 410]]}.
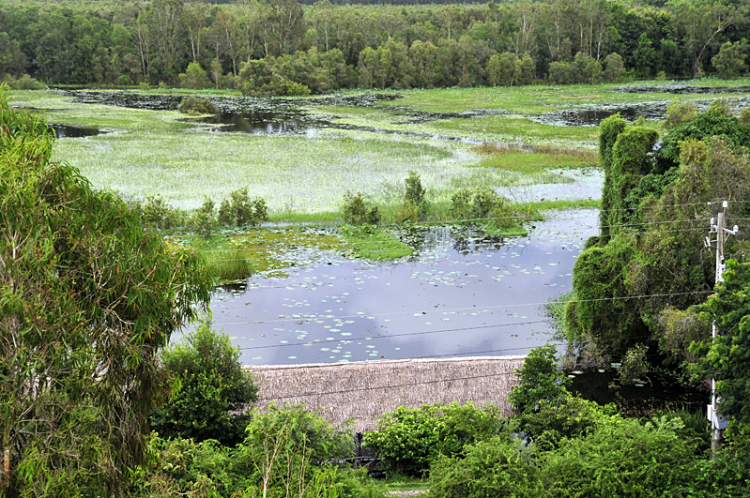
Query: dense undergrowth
{"points": [[554, 445]]}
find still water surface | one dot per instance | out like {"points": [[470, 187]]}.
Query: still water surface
{"points": [[462, 295]]}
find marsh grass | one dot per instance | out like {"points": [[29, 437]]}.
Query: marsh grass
{"points": [[537, 99], [535, 161], [231, 265], [559, 205], [302, 177], [370, 242]]}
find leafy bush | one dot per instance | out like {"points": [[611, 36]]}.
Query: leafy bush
{"points": [[184, 467], [561, 73], [197, 105], [290, 446], [204, 218], [680, 113], [214, 389], [745, 116], [415, 206], [157, 213], [708, 124], [494, 468], [195, 77], [619, 458], [635, 366], [239, 210], [410, 439], [478, 203], [614, 68], [356, 210], [506, 69], [25, 82], [730, 61], [562, 417], [540, 380], [726, 474]]}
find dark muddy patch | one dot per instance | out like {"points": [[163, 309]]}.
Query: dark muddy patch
{"points": [[682, 89], [420, 117], [593, 114]]}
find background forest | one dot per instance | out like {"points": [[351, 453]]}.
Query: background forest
{"points": [[282, 47]]}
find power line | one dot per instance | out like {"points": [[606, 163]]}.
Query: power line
{"points": [[392, 386], [426, 332], [499, 306], [448, 221], [571, 232]]}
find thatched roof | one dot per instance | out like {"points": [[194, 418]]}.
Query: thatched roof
{"points": [[365, 390]]}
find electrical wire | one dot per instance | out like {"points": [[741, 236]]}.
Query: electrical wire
{"points": [[390, 386], [426, 332], [499, 306]]}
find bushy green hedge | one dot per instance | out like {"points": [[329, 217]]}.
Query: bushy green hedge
{"points": [[410, 439], [197, 105]]}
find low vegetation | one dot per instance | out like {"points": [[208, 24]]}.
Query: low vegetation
{"points": [[554, 443], [193, 105]]}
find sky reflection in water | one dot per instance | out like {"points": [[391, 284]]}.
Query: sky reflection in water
{"points": [[472, 297]]}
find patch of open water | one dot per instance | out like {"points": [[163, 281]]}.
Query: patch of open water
{"points": [[593, 114], [68, 131], [586, 184], [463, 294]]}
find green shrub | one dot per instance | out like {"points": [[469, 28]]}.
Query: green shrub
{"points": [[745, 116], [478, 203], [714, 122], [214, 389], [614, 68], [619, 458], [195, 77], [25, 82], [561, 73], [495, 468], [356, 210], [415, 206], [288, 445], [197, 105], [239, 210], [730, 61], [410, 439], [184, 467], [540, 380], [562, 417], [635, 366], [157, 213], [204, 218], [726, 474], [680, 113]]}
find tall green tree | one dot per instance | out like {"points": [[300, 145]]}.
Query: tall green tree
{"points": [[214, 390], [87, 299]]}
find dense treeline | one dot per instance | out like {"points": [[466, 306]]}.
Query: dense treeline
{"points": [[635, 286], [285, 48]]}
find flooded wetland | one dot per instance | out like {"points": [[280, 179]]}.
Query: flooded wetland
{"points": [[461, 292]]}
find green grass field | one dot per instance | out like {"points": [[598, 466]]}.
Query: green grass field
{"points": [[304, 177]]}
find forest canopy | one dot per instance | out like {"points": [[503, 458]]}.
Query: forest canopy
{"points": [[282, 47]]}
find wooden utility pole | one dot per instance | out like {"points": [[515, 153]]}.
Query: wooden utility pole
{"points": [[718, 423]]}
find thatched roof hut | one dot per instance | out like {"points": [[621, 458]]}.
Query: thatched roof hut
{"points": [[365, 390]]}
